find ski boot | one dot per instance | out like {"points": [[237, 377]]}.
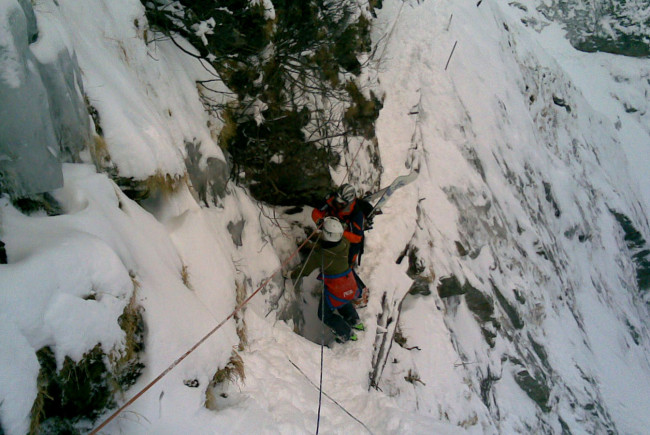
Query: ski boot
{"points": [[340, 339]]}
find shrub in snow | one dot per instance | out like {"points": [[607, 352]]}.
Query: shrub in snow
{"points": [[125, 363], [302, 176], [37, 203], [157, 183], [413, 378], [77, 390], [135, 188], [361, 115], [80, 391], [99, 150], [231, 372], [291, 65]]}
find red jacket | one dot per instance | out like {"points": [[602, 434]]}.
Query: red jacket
{"points": [[348, 214]]}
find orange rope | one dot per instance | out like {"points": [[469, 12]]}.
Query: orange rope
{"points": [[201, 341]]}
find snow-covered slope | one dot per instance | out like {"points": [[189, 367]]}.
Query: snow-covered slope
{"points": [[524, 160], [531, 176]]}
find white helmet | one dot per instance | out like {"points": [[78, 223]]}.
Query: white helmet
{"points": [[332, 229], [346, 193]]}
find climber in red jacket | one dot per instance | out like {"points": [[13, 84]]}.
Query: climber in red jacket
{"points": [[351, 211], [346, 207]]}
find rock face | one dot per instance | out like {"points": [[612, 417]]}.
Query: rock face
{"points": [[209, 180], [44, 118], [610, 27], [62, 80], [28, 148], [32, 27]]}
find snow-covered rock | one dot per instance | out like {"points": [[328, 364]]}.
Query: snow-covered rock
{"points": [[532, 194]]}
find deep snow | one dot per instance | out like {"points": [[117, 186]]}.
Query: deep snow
{"points": [[499, 159]]}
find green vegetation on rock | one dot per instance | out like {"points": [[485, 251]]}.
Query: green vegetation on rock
{"points": [[80, 391], [293, 74]]}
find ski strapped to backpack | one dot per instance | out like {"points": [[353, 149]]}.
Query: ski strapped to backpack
{"points": [[382, 195]]}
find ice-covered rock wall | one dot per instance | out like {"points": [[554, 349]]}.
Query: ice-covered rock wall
{"points": [[44, 118], [28, 147]]}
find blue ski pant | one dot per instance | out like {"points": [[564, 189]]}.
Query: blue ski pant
{"points": [[340, 323]]}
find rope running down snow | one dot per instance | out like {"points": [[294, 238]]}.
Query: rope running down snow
{"points": [[390, 34], [230, 316], [329, 397], [322, 339], [223, 322], [201, 341]]}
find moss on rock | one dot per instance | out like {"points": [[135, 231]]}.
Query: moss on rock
{"points": [[82, 390], [360, 117], [79, 390]]}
